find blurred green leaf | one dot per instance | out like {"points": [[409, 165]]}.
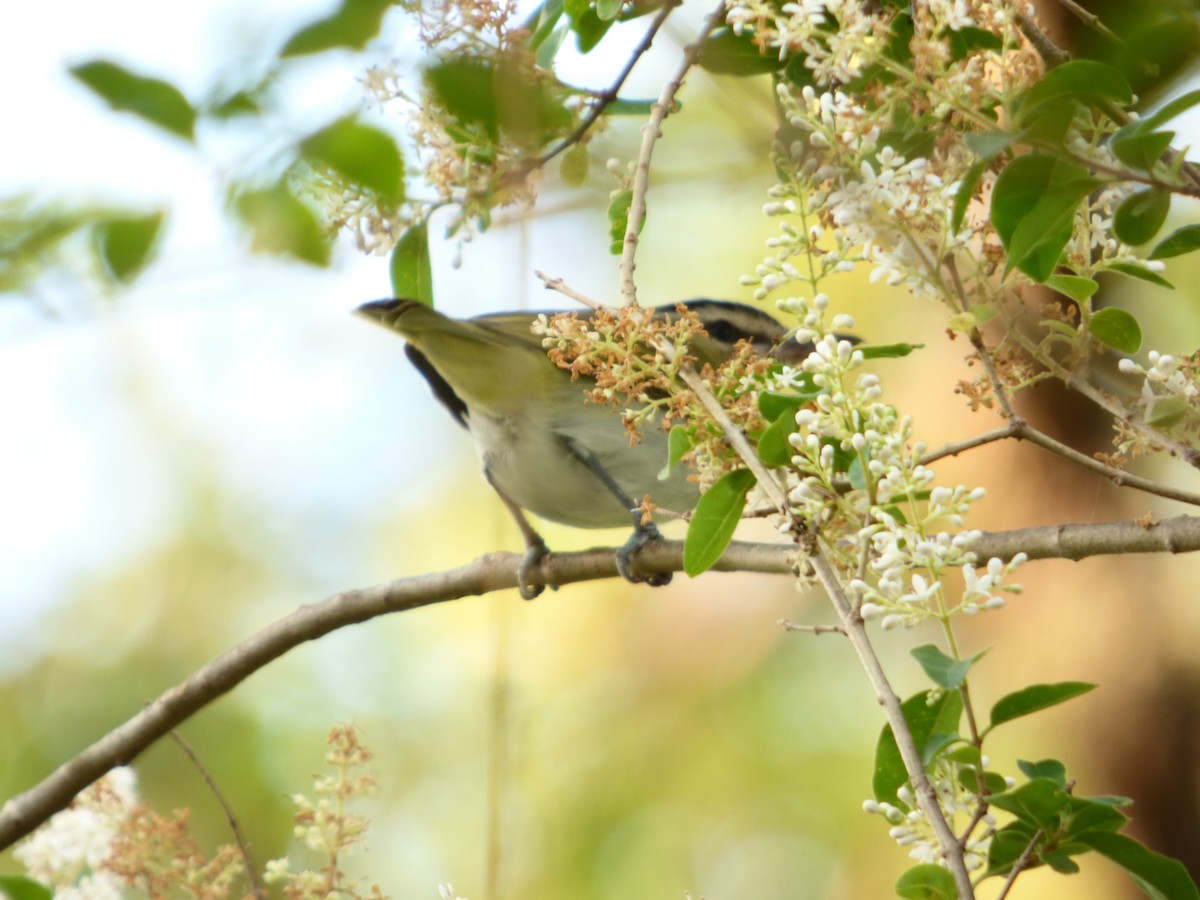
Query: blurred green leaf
{"points": [[1157, 875], [280, 223], [1033, 210], [726, 52], [608, 9], [123, 244], [353, 24], [574, 165], [1139, 271], [618, 220], [18, 887], [152, 99], [1178, 242], [773, 446], [1084, 79], [966, 193], [361, 154], [1034, 698], [1044, 768], [1039, 802], [926, 882], [1139, 147], [714, 520], [501, 98], [1139, 216], [586, 23], [1116, 328], [987, 144], [964, 41], [888, 351], [411, 271], [679, 442], [1073, 286]]}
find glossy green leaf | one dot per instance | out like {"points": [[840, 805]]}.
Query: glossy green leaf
{"points": [[1139, 216], [1134, 270], [945, 671], [930, 724], [18, 887], [152, 99], [280, 223], [1116, 328], [1033, 210], [411, 271], [353, 24], [1034, 698], [727, 53], [1008, 845], [361, 154], [1157, 875], [679, 442], [1076, 287], [714, 520], [124, 244], [926, 882], [1083, 79], [773, 405], [1182, 240], [1089, 814]]}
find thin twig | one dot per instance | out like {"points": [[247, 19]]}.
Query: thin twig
{"points": [[239, 838], [1188, 454], [651, 132], [789, 625], [1091, 20], [1019, 865], [1052, 55], [925, 794]]}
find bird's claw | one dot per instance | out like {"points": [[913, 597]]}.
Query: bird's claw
{"points": [[643, 535], [534, 554]]}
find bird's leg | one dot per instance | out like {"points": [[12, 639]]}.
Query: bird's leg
{"points": [[643, 533], [535, 548]]}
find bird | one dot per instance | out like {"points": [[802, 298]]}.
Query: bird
{"points": [[542, 447]]}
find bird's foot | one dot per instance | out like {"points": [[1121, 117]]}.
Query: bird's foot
{"points": [[535, 552], [641, 536]]}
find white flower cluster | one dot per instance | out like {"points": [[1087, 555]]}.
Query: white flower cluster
{"points": [[1170, 391], [911, 829], [853, 451], [70, 851]]}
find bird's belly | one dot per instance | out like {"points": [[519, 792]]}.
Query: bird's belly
{"points": [[533, 467]]}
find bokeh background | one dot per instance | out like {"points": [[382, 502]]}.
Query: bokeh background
{"points": [[186, 460]]}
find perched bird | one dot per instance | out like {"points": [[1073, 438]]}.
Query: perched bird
{"points": [[542, 447]]}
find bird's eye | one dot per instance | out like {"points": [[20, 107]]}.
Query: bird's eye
{"points": [[722, 330]]}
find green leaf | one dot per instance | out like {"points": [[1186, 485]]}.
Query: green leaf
{"points": [[1039, 802], [152, 99], [574, 165], [1076, 287], [1045, 768], [926, 882], [963, 41], [1083, 79], [361, 154], [725, 52], [1159, 876], [888, 351], [1033, 209], [1008, 845], [1139, 147], [1034, 698], [411, 271], [542, 21], [679, 442], [280, 223], [930, 724], [618, 220], [1178, 242], [1180, 104], [124, 244], [622, 107], [608, 9], [1134, 270], [715, 518], [773, 446], [1140, 216], [965, 193], [773, 405], [1116, 328], [1089, 814], [945, 671], [987, 144], [353, 24], [589, 28], [18, 887]]}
